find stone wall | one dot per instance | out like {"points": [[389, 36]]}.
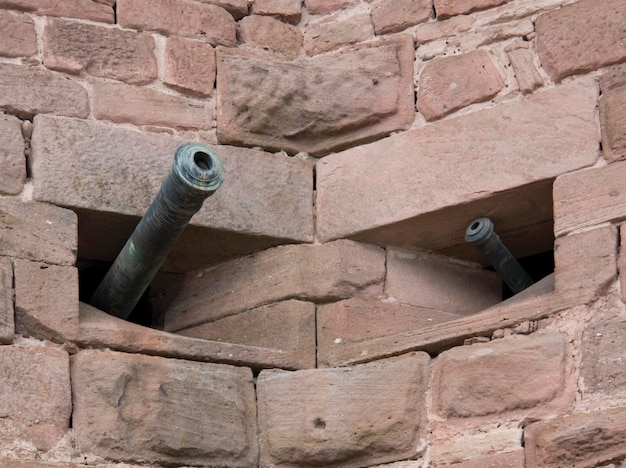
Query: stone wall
{"points": [[322, 309]]}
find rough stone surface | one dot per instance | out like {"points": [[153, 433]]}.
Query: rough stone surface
{"points": [[522, 61], [439, 29], [130, 407], [270, 33], [343, 417], [326, 272], [38, 232], [7, 321], [19, 38], [458, 449], [356, 321], [332, 32], [321, 7], [74, 47], [612, 106], [12, 158], [71, 166], [451, 83], [237, 8], [288, 10], [438, 283], [123, 103], [515, 373], [581, 37], [503, 460], [456, 162], [47, 92], [46, 300], [189, 66], [390, 17], [35, 396], [592, 439], [287, 326], [587, 260], [82, 9], [447, 8], [184, 17], [370, 87]]}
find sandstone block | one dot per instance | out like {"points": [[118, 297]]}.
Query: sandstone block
{"points": [[123, 103], [439, 283], [447, 8], [7, 321], [38, 232], [210, 23], [270, 33], [522, 61], [347, 417], [130, 407], [465, 451], [47, 92], [19, 38], [581, 37], [515, 373], [332, 32], [189, 66], [74, 47], [35, 397], [586, 261], [390, 17], [604, 350], [283, 105], [353, 322], [287, 326], [439, 29], [12, 157], [237, 8], [612, 114], [288, 10], [82, 9], [72, 166], [451, 83], [592, 439], [321, 7], [46, 300], [503, 460], [326, 272], [437, 176]]}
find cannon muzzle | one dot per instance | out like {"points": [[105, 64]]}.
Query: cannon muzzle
{"points": [[196, 174]]}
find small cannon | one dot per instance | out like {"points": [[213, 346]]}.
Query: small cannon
{"points": [[196, 174]]}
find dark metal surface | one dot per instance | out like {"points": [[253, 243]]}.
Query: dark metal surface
{"points": [[196, 174], [480, 233]]}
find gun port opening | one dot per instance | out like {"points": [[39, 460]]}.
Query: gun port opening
{"points": [[538, 266]]}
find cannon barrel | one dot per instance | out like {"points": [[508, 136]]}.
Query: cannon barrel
{"points": [[480, 233], [196, 174]]}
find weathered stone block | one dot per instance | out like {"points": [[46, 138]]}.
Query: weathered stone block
{"points": [[321, 7], [19, 38], [72, 166], [270, 33], [591, 439], [447, 8], [522, 61], [284, 105], [38, 232], [130, 407], [288, 10], [356, 321], [35, 396], [74, 47], [7, 321], [456, 169], [451, 83], [347, 417], [612, 106], [237, 8], [475, 450], [183, 17], [581, 37], [287, 326], [432, 31], [332, 32], [189, 65], [514, 373], [83, 9], [587, 260], [324, 272], [390, 17], [440, 283], [12, 159], [46, 300], [503, 460], [47, 92]]}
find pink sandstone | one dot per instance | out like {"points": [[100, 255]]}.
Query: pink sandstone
{"points": [[81, 9], [7, 320], [272, 34], [333, 32], [19, 38], [612, 106], [390, 17], [447, 8], [288, 10], [12, 158], [321, 7], [189, 66]]}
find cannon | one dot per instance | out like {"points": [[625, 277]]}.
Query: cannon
{"points": [[196, 173], [480, 233]]}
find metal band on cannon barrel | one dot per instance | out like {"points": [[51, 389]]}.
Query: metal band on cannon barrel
{"points": [[196, 174]]}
